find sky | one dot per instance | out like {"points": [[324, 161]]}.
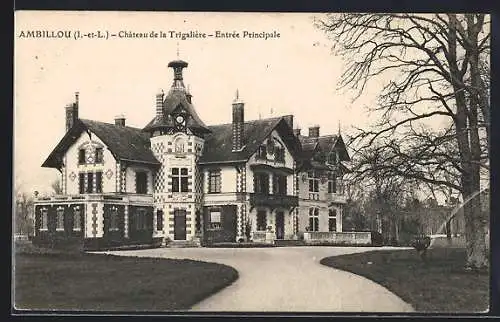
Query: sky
{"points": [[293, 74]]}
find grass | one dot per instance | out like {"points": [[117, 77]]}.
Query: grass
{"points": [[439, 285], [62, 281]]}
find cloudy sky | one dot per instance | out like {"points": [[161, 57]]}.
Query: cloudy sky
{"points": [[293, 74]]}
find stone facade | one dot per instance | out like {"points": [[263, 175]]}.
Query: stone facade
{"points": [[179, 181]]}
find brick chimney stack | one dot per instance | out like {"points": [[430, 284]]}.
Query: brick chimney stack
{"points": [[72, 112], [314, 131], [159, 104], [120, 120], [238, 123]]}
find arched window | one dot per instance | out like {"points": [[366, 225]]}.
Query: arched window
{"points": [[313, 219]]}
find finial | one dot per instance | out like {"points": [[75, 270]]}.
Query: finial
{"points": [[177, 50], [339, 127], [237, 94]]}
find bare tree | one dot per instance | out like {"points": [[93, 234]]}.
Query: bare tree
{"points": [[433, 68], [56, 187], [23, 214]]}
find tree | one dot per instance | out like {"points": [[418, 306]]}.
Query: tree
{"points": [[434, 106], [23, 214], [56, 187]]}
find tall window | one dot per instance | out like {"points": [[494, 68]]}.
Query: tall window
{"points": [[81, 156], [261, 183], [60, 219], [90, 182], [261, 220], [313, 185], [113, 219], [141, 182], [98, 182], [159, 220], [99, 155], [332, 183], [279, 185], [215, 219], [44, 219], [332, 220], [81, 183], [77, 219], [313, 219], [214, 184], [179, 180]]}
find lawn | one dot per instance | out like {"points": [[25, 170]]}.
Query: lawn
{"points": [[51, 280], [439, 285]]}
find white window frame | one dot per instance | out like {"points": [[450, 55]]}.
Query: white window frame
{"points": [[59, 212], [76, 210], [215, 225], [314, 214], [332, 214], [44, 219]]}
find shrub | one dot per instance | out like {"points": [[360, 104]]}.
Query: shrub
{"points": [[377, 238]]}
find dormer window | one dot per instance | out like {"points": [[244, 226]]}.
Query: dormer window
{"points": [[262, 152]]}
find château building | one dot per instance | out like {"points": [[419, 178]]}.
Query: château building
{"points": [[180, 181]]}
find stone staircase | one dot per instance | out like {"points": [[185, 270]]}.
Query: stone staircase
{"points": [[183, 243], [288, 242]]}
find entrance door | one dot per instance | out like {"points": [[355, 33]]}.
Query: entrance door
{"points": [[180, 225], [280, 225]]}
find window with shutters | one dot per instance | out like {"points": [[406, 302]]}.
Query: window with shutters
{"points": [[90, 182], [99, 153]]}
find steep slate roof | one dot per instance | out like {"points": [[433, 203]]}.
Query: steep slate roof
{"points": [[174, 99], [125, 142], [325, 143], [218, 145]]}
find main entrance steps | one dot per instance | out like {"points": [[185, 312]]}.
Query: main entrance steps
{"points": [[183, 243], [288, 242]]}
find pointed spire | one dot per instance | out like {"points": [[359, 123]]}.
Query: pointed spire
{"points": [[237, 99], [339, 127]]}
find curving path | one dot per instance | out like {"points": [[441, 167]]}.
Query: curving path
{"points": [[286, 279]]}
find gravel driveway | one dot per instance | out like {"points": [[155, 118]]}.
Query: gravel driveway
{"points": [[286, 279]]}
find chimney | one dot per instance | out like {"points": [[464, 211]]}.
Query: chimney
{"points": [[289, 120], [238, 123], [159, 104], [314, 131], [296, 132], [72, 112], [120, 120]]}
